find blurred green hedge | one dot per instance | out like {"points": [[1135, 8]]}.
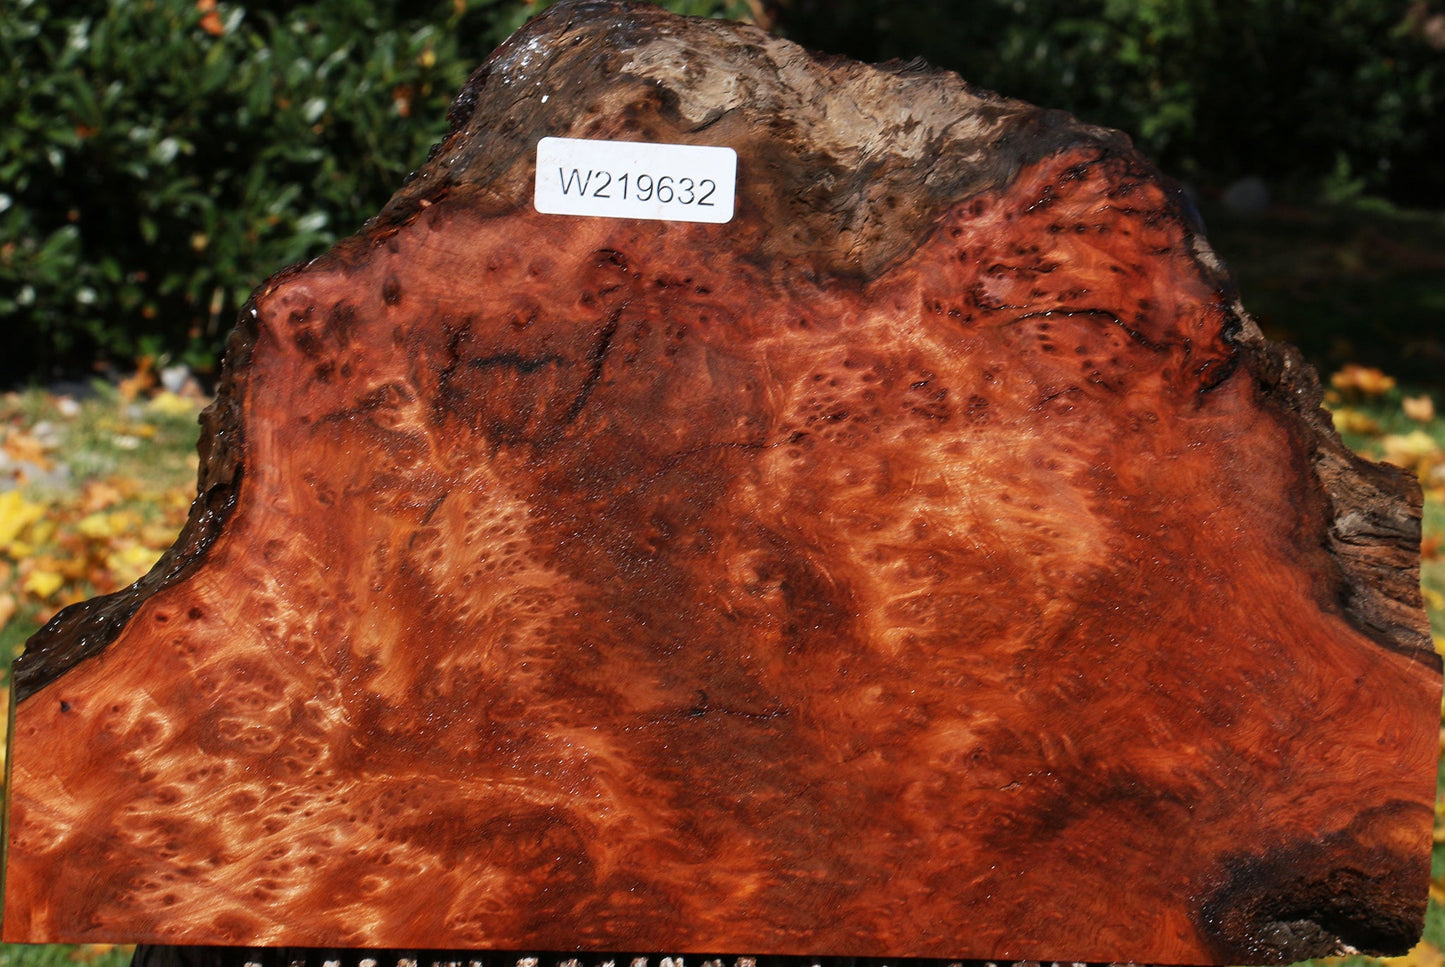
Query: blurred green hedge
{"points": [[1340, 96], [164, 156]]}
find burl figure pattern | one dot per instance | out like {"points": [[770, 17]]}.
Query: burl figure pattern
{"points": [[934, 561]]}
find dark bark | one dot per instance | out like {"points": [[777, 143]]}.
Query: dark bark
{"points": [[935, 561]]}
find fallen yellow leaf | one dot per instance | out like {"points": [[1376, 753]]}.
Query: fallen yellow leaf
{"points": [[97, 527], [24, 448], [108, 526], [131, 563], [1421, 408], [1363, 380], [99, 495], [1416, 451], [143, 379], [42, 583], [1353, 421], [41, 531], [166, 403], [159, 536], [180, 498], [94, 951], [16, 514]]}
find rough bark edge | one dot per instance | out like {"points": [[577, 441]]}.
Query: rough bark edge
{"points": [[1375, 510], [85, 629], [975, 140]]}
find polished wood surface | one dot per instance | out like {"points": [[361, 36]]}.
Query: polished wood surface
{"points": [[933, 561]]}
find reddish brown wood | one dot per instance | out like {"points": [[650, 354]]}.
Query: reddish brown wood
{"points": [[934, 561]]}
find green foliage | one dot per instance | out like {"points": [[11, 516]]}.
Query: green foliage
{"points": [[163, 156], [1340, 93], [508, 15], [159, 163]]}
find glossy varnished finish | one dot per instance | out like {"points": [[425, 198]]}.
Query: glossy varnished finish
{"points": [[940, 566]]}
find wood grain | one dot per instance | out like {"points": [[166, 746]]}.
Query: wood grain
{"points": [[934, 561]]}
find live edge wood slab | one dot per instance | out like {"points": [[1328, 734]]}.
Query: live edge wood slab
{"points": [[933, 561]]}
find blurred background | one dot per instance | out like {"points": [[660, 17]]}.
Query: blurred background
{"points": [[160, 158]]}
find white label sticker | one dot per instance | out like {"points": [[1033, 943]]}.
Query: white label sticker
{"points": [[635, 179]]}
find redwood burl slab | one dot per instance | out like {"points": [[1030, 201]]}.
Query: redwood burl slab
{"points": [[933, 561]]}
